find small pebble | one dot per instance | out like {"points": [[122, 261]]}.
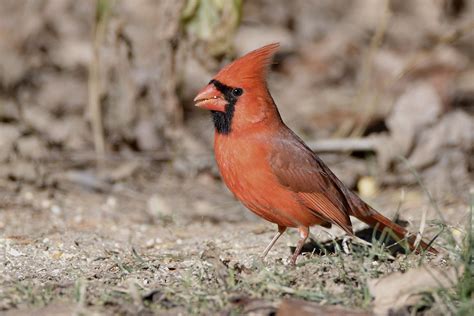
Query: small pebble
{"points": [[14, 252], [56, 210], [111, 201], [28, 196], [45, 203]]}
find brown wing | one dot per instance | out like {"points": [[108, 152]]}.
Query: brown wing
{"points": [[301, 171]]}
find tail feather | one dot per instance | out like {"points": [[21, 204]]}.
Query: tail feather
{"points": [[370, 216]]}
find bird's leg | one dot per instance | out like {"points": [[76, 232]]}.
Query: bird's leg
{"points": [[304, 233], [281, 230]]}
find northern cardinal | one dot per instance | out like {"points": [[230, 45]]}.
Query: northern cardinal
{"points": [[267, 166]]}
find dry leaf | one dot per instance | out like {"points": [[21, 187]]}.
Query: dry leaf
{"points": [[398, 290], [417, 108]]}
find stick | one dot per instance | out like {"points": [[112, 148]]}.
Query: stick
{"points": [[344, 144]]}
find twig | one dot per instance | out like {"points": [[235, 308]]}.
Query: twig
{"points": [[87, 157], [344, 144]]}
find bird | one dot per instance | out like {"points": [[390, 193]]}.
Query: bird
{"points": [[270, 169]]}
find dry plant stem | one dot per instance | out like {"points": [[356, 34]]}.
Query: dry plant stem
{"points": [[281, 230], [422, 228], [170, 52], [95, 82], [82, 292], [363, 98]]}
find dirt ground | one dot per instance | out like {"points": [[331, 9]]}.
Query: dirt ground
{"points": [[155, 243], [110, 199]]}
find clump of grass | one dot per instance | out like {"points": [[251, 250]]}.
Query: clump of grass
{"points": [[459, 299], [466, 284], [30, 293]]}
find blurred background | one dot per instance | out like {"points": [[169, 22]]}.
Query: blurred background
{"points": [[96, 96], [101, 146], [91, 85]]}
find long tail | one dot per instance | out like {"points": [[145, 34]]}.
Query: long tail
{"points": [[370, 216]]}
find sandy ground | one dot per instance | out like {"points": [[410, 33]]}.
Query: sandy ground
{"points": [[154, 243]]}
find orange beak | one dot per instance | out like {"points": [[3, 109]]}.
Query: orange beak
{"points": [[211, 99]]}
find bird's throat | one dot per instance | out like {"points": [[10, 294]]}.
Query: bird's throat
{"points": [[223, 120]]}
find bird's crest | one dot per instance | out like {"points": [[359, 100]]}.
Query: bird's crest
{"points": [[250, 68]]}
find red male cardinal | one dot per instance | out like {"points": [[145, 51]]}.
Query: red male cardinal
{"points": [[267, 166]]}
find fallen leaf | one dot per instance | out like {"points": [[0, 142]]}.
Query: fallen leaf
{"points": [[415, 109], [399, 290], [453, 130]]}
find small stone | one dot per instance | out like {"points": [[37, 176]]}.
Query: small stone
{"points": [[45, 203], [15, 253], [111, 202], [28, 196], [56, 210]]}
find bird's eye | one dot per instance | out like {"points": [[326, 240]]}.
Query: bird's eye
{"points": [[237, 92]]}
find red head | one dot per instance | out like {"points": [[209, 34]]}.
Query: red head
{"points": [[238, 96]]}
